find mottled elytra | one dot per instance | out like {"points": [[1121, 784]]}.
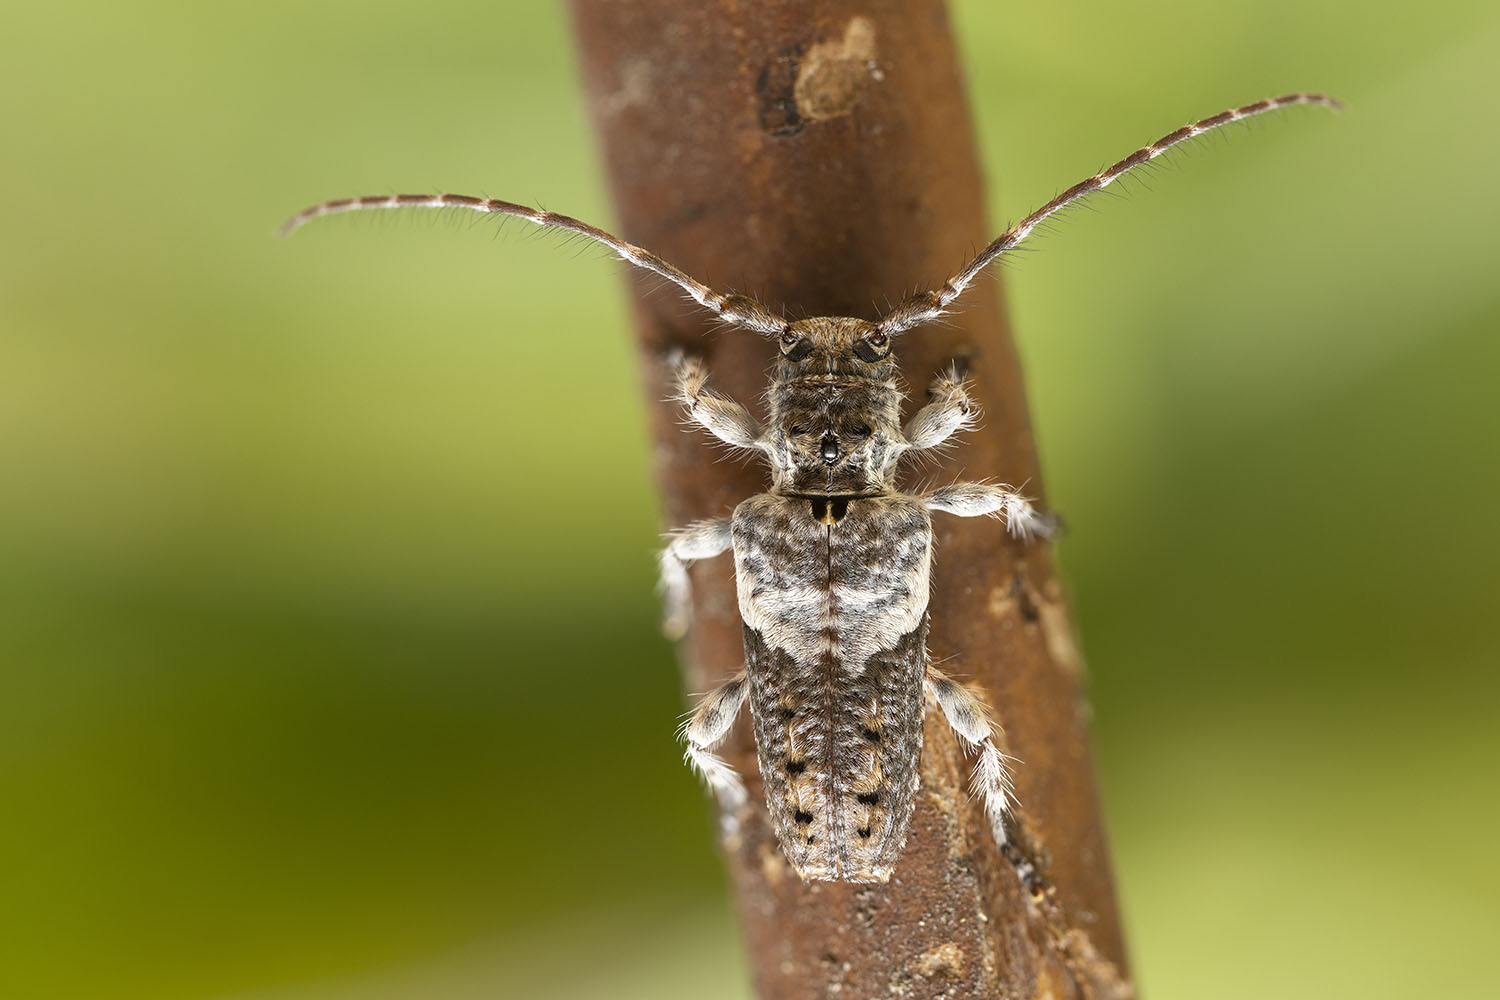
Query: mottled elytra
{"points": [[832, 562]]}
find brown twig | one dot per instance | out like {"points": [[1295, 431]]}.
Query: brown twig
{"points": [[818, 155]]}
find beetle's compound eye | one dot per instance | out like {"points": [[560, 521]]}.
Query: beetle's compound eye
{"points": [[862, 431], [796, 431], [873, 346], [794, 346]]}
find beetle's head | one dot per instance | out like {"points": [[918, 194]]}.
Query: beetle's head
{"points": [[835, 345], [836, 407]]}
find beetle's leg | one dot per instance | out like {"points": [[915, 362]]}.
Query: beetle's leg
{"points": [[967, 716], [705, 729], [951, 411], [700, 540], [723, 417], [976, 499]]}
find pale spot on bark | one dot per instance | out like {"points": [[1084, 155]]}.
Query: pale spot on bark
{"points": [[1048, 986], [1057, 631], [773, 867], [634, 89], [945, 960], [1002, 603], [1097, 975], [833, 75]]}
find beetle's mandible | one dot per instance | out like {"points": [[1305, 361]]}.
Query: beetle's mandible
{"points": [[832, 561]]}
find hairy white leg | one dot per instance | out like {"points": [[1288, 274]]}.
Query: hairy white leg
{"points": [[705, 729], [950, 412], [977, 499], [700, 540], [723, 417], [968, 718]]}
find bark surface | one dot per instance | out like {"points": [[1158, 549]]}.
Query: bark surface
{"points": [[818, 155]]}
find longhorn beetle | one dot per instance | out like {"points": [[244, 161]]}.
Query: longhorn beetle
{"points": [[832, 562]]}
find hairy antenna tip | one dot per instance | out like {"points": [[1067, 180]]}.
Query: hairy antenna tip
{"points": [[1327, 100], [289, 227]]}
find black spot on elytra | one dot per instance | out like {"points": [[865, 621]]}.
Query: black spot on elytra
{"points": [[802, 816], [796, 766], [864, 832], [787, 714], [868, 798], [873, 735]]}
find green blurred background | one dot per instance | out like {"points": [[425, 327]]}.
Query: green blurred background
{"points": [[318, 680]]}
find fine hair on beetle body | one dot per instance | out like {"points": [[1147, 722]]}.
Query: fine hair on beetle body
{"points": [[833, 561]]}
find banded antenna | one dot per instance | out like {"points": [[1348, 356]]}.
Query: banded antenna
{"points": [[747, 313], [740, 310], [924, 307]]}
